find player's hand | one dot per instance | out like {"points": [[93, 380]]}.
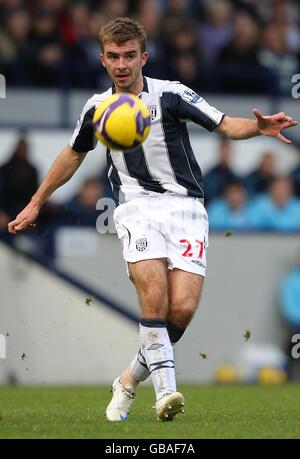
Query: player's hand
{"points": [[24, 220], [273, 125]]}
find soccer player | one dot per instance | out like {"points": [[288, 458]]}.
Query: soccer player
{"points": [[161, 220]]}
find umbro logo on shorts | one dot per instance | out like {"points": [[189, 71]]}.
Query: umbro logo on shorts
{"points": [[141, 244], [154, 347], [198, 262]]}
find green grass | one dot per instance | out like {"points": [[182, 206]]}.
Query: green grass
{"points": [[211, 412]]}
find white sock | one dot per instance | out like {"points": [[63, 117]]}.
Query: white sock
{"points": [[138, 367], [158, 354]]}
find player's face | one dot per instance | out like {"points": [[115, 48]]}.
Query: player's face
{"points": [[124, 63]]}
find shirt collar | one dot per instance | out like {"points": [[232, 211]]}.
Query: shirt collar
{"points": [[145, 86]]}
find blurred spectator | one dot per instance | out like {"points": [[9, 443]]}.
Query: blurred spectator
{"points": [[19, 180], [295, 176], [82, 208], [80, 16], [7, 6], [56, 6], [279, 210], [221, 175], [259, 180], [175, 11], [81, 66], [239, 65], [290, 310], [13, 47], [250, 7], [95, 72], [181, 41], [286, 17], [275, 56], [114, 8], [186, 70], [231, 212], [216, 32], [149, 15], [45, 50]]}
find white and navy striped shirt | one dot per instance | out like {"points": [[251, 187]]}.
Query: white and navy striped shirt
{"points": [[165, 163]]}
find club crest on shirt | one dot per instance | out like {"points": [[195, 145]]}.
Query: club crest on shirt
{"points": [[141, 244], [153, 111], [191, 96]]}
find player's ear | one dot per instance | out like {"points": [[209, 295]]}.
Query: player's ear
{"points": [[102, 59], [144, 58]]}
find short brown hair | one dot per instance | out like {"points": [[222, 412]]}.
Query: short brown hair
{"points": [[121, 30]]}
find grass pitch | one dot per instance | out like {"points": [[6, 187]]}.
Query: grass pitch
{"points": [[211, 412]]}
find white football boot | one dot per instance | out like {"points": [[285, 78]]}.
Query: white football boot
{"points": [[120, 404], [169, 405]]}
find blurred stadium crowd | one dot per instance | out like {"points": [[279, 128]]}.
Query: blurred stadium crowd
{"points": [[235, 46]]}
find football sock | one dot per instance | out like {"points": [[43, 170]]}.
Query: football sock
{"points": [[138, 366], [158, 354], [175, 333]]}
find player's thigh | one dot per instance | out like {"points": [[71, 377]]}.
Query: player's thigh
{"points": [[150, 278], [184, 291]]}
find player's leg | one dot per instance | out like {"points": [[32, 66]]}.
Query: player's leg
{"points": [[186, 232], [151, 286], [184, 290], [187, 242], [151, 281], [138, 370]]}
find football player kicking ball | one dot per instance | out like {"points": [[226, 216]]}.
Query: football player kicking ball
{"points": [[161, 220]]}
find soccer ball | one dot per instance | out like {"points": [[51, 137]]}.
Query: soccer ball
{"points": [[122, 122]]}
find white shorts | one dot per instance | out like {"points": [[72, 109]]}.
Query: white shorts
{"points": [[164, 226]]}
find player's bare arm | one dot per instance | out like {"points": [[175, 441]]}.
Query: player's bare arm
{"points": [[61, 171], [243, 128]]}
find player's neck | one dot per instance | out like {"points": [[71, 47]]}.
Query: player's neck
{"points": [[136, 88]]}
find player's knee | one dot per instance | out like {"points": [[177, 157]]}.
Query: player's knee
{"points": [[182, 313]]}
